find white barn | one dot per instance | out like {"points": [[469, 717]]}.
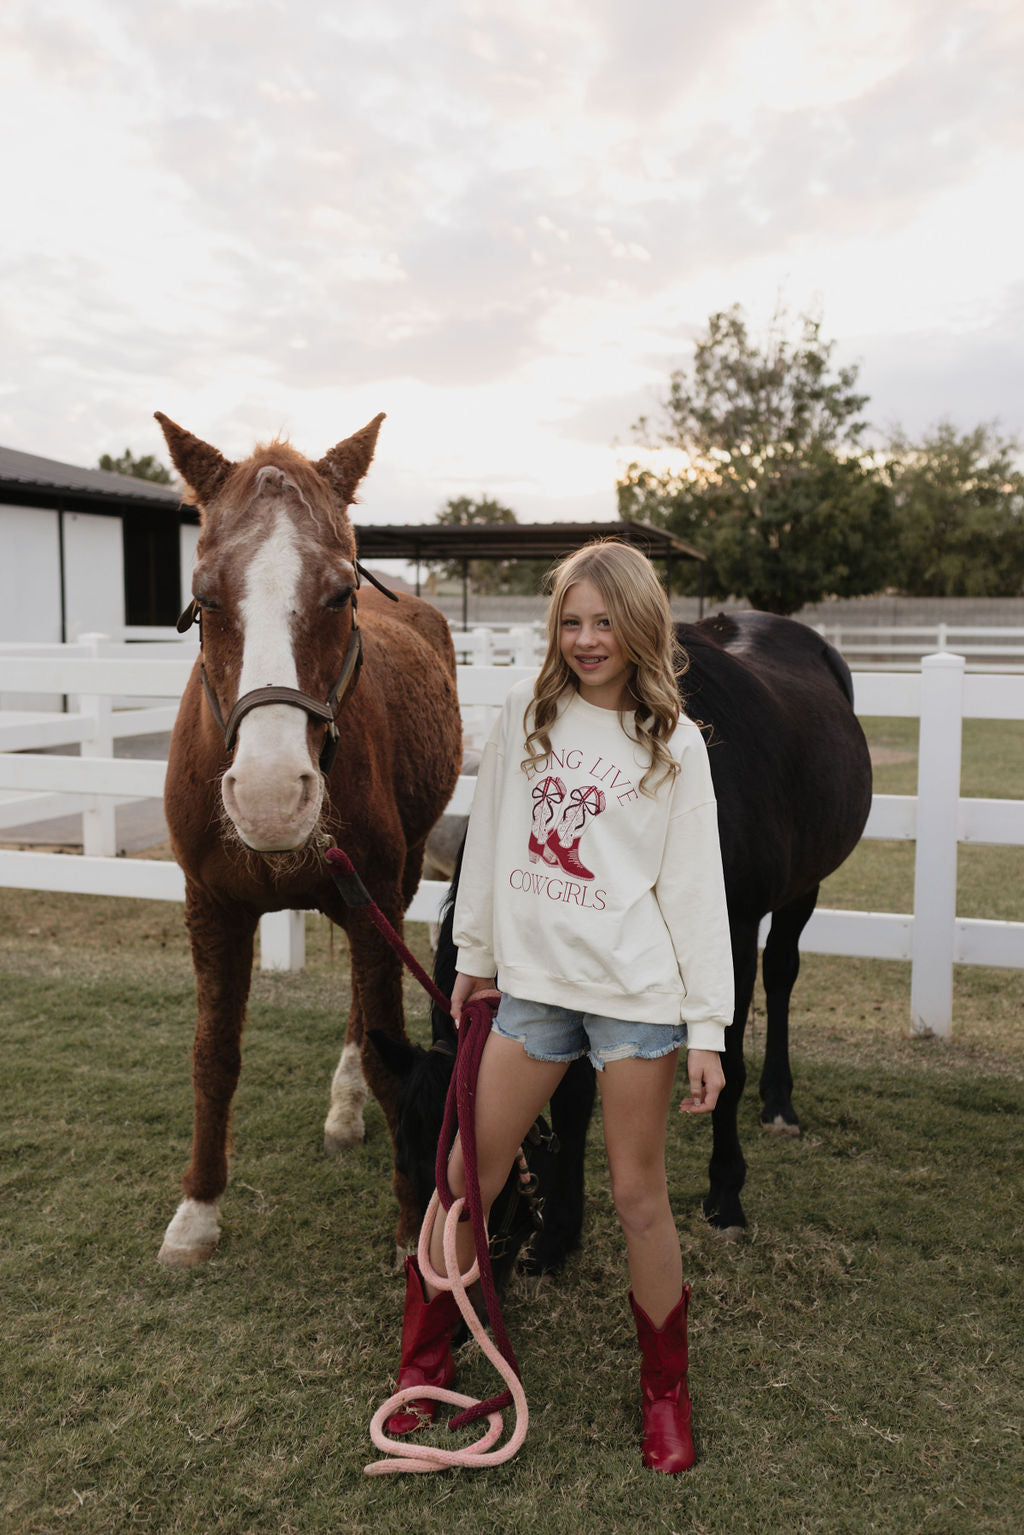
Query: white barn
{"points": [[86, 551]]}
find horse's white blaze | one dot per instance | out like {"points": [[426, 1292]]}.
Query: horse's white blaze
{"points": [[344, 1126], [192, 1235], [273, 790]]}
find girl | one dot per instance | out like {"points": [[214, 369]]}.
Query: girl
{"points": [[592, 895]]}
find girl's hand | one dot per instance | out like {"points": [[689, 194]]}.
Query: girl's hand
{"points": [[466, 987], [704, 1068]]}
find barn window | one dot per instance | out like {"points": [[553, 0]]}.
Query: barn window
{"points": [[152, 570]]}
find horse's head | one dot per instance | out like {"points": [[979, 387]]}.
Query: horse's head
{"points": [[275, 593]]}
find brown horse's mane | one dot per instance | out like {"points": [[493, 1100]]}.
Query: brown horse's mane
{"points": [[239, 487]]}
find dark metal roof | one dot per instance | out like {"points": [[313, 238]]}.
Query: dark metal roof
{"points": [[27, 480], [510, 540]]}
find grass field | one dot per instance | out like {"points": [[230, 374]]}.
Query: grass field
{"points": [[856, 1361]]}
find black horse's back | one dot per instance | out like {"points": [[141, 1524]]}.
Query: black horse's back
{"points": [[762, 637], [792, 776], [789, 761]]}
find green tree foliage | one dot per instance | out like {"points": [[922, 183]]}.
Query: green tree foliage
{"points": [[488, 576], [959, 514], [148, 467], [776, 489]]}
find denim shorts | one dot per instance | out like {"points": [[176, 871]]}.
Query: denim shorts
{"points": [[549, 1033]]}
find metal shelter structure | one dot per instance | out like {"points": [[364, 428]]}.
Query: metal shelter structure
{"points": [[549, 541]]}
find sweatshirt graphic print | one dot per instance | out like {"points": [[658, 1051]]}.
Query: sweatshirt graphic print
{"points": [[581, 891]]}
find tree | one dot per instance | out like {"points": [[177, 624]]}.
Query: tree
{"points": [[487, 576], [148, 467], [959, 514], [775, 488]]}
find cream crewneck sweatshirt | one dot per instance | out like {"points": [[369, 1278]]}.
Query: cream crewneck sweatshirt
{"points": [[581, 891]]}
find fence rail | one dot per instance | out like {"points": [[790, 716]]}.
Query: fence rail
{"points": [[984, 647], [35, 784]]}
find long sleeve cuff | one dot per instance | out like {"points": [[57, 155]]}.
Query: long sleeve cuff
{"points": [[475, 962], [705, 1036]]}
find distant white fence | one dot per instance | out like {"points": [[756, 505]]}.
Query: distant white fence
{"points": [[984, 647], [39, 785], [871, 647]]}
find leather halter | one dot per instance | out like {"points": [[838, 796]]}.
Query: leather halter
{"points": [[347, 678]]}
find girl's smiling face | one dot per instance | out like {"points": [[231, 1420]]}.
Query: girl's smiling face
{"points": [[590, 649]]}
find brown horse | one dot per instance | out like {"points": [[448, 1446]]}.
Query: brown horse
{"points": [[302, 723]]}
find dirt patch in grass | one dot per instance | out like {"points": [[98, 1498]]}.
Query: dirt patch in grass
{"points": [[890, 756]]}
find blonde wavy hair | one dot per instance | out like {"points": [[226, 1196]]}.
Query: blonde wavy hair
{"points": [[640, 618]]}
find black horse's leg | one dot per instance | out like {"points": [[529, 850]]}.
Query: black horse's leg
{"points": [[727, 1168], [780, 968], [571, 1107]]}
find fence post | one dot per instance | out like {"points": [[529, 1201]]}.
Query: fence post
{"points": [[283, 940], [99, 819], [483, 647], [523, 647], [938, 795]]}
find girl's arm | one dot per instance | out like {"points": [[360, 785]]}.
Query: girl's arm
{"points": [[691, 895], [473, 928], [690, 891]]}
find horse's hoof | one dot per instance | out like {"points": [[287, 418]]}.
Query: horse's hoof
{"points": [[339, 1138], [779, 1126], [192, 1236], [730, 1233], [185, 1257]]}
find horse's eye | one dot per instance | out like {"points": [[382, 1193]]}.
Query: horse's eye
{"points": [[339, 600], [207, 603]]}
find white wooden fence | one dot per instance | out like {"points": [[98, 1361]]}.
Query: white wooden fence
{"points": [[984, 647], [869, 646], [38, 785]]}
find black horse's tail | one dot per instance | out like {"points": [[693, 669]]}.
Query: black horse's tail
{"points": [[446, 955], [839, 669]]}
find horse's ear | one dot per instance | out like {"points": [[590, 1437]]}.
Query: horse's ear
{"points": [[203, 468], [344, 466]]}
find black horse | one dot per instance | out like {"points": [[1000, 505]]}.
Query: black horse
{"points": [[792, 777]]}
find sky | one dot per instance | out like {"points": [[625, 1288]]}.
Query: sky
{"points": [[503, 224]]}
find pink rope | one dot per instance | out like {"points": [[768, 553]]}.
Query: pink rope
{"points": [[355, 894], [408, 1456], [475, 1026]]}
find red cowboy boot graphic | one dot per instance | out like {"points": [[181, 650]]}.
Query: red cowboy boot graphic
{"points": [[564, 839], [547, 796]]}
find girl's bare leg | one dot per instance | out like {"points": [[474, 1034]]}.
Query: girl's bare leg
{"points": [[635, 1098], [511, 1091]]}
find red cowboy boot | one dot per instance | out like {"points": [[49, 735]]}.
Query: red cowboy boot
{"points": [[427, 1328], [668, 1442], [547, 796], [564, 839]]}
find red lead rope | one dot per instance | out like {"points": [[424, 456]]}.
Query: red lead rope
{"points": [[459, 1112]]}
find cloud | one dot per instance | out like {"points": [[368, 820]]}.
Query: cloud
{"points": [[921, 378], [267, 212]]}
